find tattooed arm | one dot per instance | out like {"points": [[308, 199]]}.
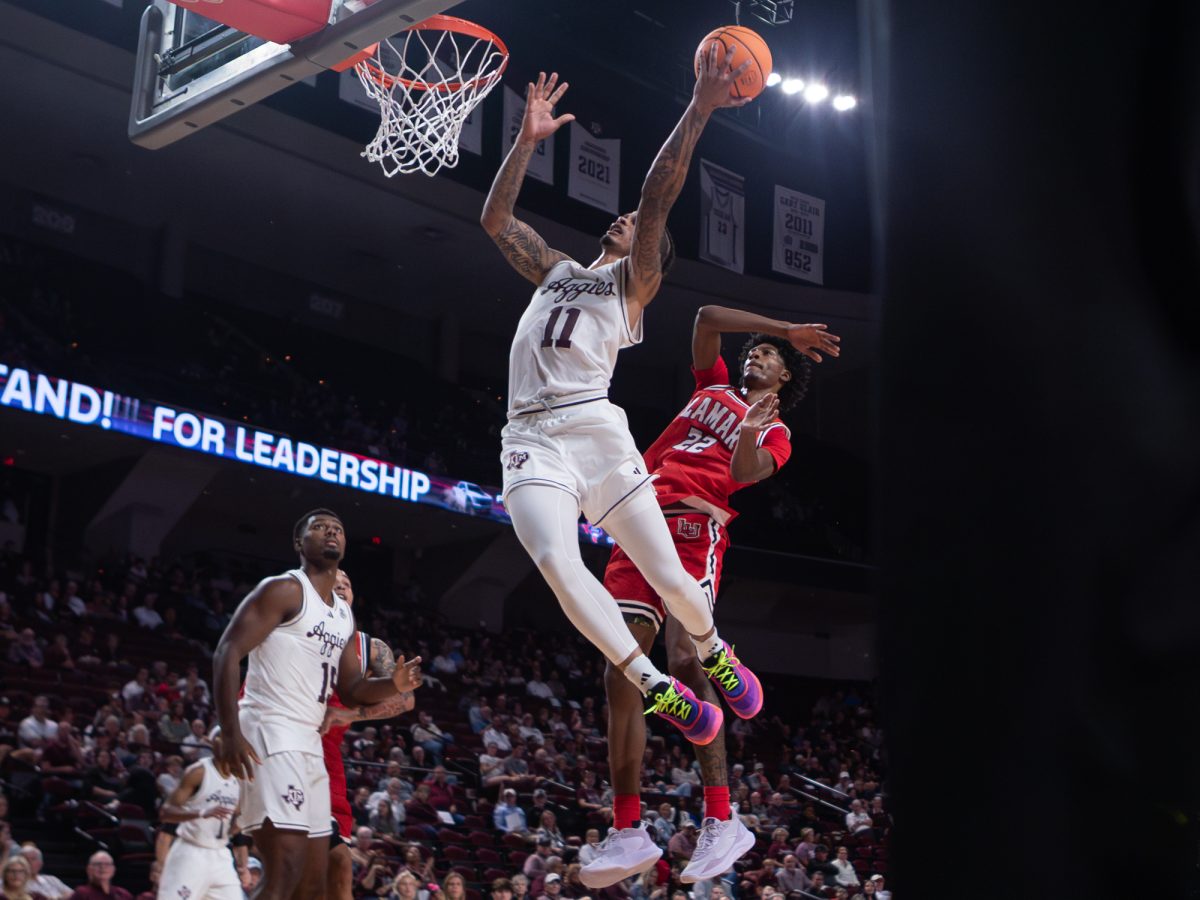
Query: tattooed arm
{"points": [[523, 247], [382, 663], [665, 180]]}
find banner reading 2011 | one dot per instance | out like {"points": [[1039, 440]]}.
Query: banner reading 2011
{"points": [[595, 177], [541, 164], [799, 235]]}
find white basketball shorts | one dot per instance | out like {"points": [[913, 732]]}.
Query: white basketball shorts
{"points": [[192, 872], [292, 790], [584, 449]]}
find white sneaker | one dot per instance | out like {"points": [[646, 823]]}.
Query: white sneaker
{"points": [[623, 853], [718, 847]]}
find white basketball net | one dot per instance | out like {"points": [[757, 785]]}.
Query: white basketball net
{"points": [[426, 82]]}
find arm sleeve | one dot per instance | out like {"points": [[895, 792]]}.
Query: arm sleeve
{"points": [[776, 441], [717, 374]]}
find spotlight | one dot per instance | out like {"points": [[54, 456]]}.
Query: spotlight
{"points": [[792, 86], [843, 102], [773, 79], [815, 93]]}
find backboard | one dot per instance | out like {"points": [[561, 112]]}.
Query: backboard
{"points": [[193, 71]]}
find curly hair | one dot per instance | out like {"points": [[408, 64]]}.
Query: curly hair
{"points": [[792, 391], [302, 522]]}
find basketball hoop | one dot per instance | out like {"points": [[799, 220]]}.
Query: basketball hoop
{"points": [[427, 80]]}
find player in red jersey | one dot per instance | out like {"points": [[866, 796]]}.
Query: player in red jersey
{"points": [[376, 657], [725, 438]]}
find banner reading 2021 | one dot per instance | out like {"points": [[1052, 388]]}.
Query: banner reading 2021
{"points": [[799, 235]]}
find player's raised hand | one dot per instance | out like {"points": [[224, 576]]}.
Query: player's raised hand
{"points": [[762, 413], [407, 676], [714, 84], [540, 99], [812, 340], [235, 757]]}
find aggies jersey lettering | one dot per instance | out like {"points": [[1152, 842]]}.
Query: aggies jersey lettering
{"points": [[214, 790], [691, 457], [569, 335], [293, 672]]}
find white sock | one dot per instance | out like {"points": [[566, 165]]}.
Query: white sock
{"points": [[643, 674], [708, 647]]}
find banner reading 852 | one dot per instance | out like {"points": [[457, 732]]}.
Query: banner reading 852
{"points": [[799, 235]]}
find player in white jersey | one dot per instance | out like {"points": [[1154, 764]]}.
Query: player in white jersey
{"points": [[199, 864], [565, 447], [296, 631]]}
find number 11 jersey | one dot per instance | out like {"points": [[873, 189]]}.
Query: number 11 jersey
{"points": [[691, 457], [569, 335]]}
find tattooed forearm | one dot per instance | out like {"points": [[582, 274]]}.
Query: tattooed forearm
{"points": [[521, 245], [390, 708], [661, 188]]}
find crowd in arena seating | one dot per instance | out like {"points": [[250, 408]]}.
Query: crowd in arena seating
{"points": [[499, 779]]}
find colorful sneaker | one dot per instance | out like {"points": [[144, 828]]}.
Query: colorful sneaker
{"points": [[674, 701], [718, 847], [739, 686], [622, 854]]}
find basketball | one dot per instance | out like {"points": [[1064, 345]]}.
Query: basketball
{"points": [[749, 46]]}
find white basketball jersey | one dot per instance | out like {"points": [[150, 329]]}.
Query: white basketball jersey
{"points": [[569, 335], [722, 227], [292, 673], [214, 791]]}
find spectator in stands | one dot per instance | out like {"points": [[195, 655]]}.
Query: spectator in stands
{"points": [[808, 843], [361, 854], [493, 734], [42, 884], [25, 650], [491, 767], [254, 876], [441, 794], [552, 886], [520, 886], [58, 654], [817, 883], [430, 737], [196, 745], [665, 823], [62, 755], [102, 782], [590, 847], [530, 732], [134, 691], [820, 864], [876, 812], [100, 871], [779, 844], [421, 867], [358, 808], [37, 728], [682, 844], [480, 716], [174, 727], [515, 766], [866, 891], [146, 616], [406, 887], [757, 780], [535, 863], [548, 827], [881, 893], [502, 889], [14, 878], [188, 683], [168, 781], [419, 811], [507, 816], [444, 663], [454, 887], [791, 877], [846, 876], [393, 793], [857, 820]]}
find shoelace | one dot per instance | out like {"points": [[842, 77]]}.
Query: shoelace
{"points": [[708, 835], [670, 703], [723, 672]]}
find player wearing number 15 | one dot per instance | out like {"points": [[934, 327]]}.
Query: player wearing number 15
{"points": [[565, 447], [297, 634]]}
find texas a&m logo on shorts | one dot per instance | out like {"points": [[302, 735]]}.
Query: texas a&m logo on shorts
{"points": [[516, 459], [294, 796]]}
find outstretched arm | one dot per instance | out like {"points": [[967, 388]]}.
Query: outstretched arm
{"points": [[713, 321], [357, 689], [667, 174], [521, 245], [382, 663]]}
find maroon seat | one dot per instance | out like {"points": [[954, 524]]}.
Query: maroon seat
{"points": [[488, 855], [449, 836], [455, 853]]}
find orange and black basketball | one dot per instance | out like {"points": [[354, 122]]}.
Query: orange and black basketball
{"points": [[747, 45]]}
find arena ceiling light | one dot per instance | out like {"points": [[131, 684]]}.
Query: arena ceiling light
{"points": [[815, 93], [773, 79], [792, 85], [843, 102]]}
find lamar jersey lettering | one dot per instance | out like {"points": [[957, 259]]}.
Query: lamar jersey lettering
{"points": [[693, 485]]}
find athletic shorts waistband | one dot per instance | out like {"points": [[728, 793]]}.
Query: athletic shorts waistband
{"points": [[553, 404]]}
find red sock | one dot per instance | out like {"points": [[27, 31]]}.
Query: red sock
{"points": [[716, 802], [627, 810]]}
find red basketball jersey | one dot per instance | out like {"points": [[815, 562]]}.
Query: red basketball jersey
{"points": [[331, 744], [691, 458]]}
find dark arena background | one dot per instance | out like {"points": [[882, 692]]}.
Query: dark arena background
{"points": [[971, 593]]}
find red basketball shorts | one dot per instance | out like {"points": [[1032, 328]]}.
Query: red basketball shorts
{"points": [[700, 542]]}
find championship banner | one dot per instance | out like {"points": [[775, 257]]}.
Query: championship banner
{"points": [[799, 235], [722, 217], [595, 177], [471, 136], [83, 405], [541, 164]]}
